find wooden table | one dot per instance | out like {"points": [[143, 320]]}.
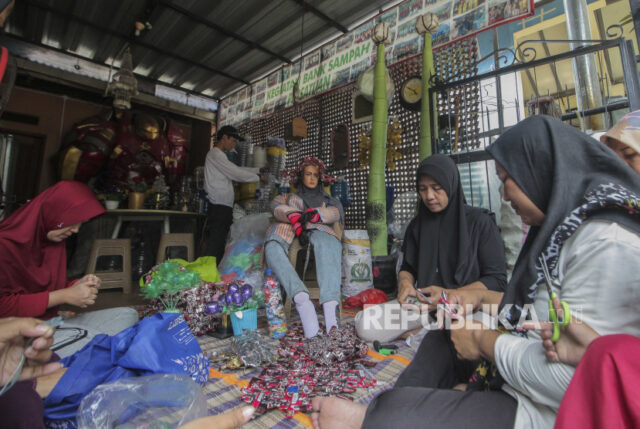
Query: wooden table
{"points": [[147, 215]]}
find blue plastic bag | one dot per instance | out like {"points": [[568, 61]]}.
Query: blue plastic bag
{"points": [[160, 344]]}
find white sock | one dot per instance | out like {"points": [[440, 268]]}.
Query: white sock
{"points": [[307, 314], [330, 320]]}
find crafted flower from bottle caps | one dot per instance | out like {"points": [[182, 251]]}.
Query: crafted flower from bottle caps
{"points": [[167, 281], [239, 296]]}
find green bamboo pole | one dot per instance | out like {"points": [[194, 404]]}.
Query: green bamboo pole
{"points": [[376, 197], [426, 114]]}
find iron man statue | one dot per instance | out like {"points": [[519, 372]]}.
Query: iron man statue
{"points": [[114, 151]]}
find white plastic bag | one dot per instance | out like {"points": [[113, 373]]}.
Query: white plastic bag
{"points": [[254, 225], [162, 400], [356, 262]]}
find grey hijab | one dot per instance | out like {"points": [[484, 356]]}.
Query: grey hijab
{"points": [[556, 165]]}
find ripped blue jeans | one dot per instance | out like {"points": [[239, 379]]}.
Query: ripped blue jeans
{"points": [[328, 254]]}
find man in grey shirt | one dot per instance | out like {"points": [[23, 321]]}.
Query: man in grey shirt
{"points": [[219, 175]]}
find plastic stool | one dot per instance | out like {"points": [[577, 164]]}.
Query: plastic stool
{"points": [[112, 247], [312, 285], [174, 240]]}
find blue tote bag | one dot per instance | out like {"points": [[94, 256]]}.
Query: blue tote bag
{"points": [[160, 344]]}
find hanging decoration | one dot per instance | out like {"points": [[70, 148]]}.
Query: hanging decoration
{"points": [[364, 142], [394, 141], [124, 85]]}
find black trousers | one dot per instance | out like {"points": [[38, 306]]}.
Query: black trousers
{"points": [[436, 364], [423, 396], [219, 220]]}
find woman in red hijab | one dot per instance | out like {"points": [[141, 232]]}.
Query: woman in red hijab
{"points": [[33, 263], [33, 275]]}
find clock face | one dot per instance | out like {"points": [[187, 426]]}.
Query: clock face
{"points": [[411, 93]]}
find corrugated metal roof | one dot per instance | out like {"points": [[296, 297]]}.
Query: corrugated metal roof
{"points": [[210, 47]]}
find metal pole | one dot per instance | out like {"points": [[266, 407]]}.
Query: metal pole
{"points": [[496, 60], [630, 73], [635, 14], [587, 86]]}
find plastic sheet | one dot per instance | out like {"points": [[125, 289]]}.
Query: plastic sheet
{"points": [[158, 344], [163, 400]]}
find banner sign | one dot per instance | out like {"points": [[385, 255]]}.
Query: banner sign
{"points": [[342, 60]]}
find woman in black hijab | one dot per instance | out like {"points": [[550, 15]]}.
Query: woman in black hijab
{"points": [[448, 245], [583, 206]]}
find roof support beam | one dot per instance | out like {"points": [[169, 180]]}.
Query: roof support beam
{"points": [[131, 40], [219, 29], [322, 15]]}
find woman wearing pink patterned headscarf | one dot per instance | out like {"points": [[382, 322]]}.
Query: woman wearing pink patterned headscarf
{"points": [[315, 217]]}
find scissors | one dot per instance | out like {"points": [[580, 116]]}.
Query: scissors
{"points": [[552, 311]]}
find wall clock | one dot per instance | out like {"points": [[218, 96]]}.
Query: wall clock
{"points": [[411, 93]]}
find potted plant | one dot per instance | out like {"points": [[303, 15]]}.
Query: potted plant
{"points": [[240, 302], [138, 187], [112, 197]]}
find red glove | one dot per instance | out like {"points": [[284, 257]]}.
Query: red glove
{"points": [[312, 215], [294, 218]]}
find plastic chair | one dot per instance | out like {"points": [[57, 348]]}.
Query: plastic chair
{"points": [[175, 240], [312, 284], [112, 247]]}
